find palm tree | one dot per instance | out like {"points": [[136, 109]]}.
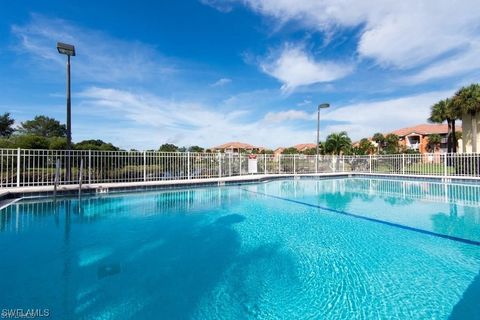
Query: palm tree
{"points": [[338, 143], [467, 101], [441, 111], [433, 141]]}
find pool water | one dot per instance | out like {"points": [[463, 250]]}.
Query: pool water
{"points": [[352, 248]]}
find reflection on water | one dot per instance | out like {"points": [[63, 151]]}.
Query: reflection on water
{"points": [[444, 208], [19, 216], [392, 190]]}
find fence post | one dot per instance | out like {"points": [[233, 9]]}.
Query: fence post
{"points": [[189, 176], [370, 163], [18, 167], [230, 164], [294, 165], [316, 163], [445, 168], [144, 165], [343, 163], [403, 163], [219, 164], [279, 164], [89, 166], [240, 162], [265, 164]]}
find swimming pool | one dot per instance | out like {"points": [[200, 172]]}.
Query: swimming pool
{"points": [[339, 248]]}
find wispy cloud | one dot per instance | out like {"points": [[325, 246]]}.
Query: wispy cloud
{"points": [[397, 34], [221, 82], [294, 68], [185, 123], [288, 115], [100, 58]]}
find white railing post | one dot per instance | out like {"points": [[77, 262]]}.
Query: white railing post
{"points": [[316, 163], [219, 164], [370, 163], [18, 167], [189, 176], [89, 166], [343, 163], [279, 163], [403, 163], [230, 164], [144, 165], [445, 168], [294, 165], [240, 162], [265, 164]]}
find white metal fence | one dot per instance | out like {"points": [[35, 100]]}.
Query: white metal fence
{"points": [[25, 167]]}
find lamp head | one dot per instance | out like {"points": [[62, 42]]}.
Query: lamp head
{"points": [[67, 49]]}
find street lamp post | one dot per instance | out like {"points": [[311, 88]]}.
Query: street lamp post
{"points": [[68, 50], [320, 106]]}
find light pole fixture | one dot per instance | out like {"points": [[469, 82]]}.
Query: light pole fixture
{"points": [[320, 106], [69, 51]]}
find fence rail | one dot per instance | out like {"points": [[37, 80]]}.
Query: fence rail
{"points": [[25, 167]]}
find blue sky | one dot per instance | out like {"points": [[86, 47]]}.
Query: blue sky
{"points": [[204, 72]]}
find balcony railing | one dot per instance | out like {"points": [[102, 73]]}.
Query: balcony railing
{"points": [[25, 167]]}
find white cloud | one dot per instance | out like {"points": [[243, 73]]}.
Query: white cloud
{"points": [[288, 115], [99, 58], [401, 34], [221, 82], [146, 121], [294, 68], [365, 118], [462, 63]]}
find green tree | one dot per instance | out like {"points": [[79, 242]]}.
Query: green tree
{"points": [[168, 147], [338, 143], [44, 127], [364, 147], [30, 141], [6, 125], [379, 138], [95, 145], [310, 151], [467, 101], [433, 141], [290, 150], [444, 110], [57, 143], [195, 149], [391, 143]]}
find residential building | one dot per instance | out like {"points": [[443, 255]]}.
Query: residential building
{"points": [[237, 147], [302, 147], [416, 137]]}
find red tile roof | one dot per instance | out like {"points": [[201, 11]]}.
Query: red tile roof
{"points": [[304, 146], [236, 145], [425, 129]]}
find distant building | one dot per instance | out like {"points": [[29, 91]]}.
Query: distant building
{"points": [[467, 139], [416, 137], [302, 147], [237, 147]]}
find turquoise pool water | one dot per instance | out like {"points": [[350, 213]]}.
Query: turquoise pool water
{"points": [[353, 248]]}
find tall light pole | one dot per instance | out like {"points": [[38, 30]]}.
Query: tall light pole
{"points": [[68, 50], [320, 106]]}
